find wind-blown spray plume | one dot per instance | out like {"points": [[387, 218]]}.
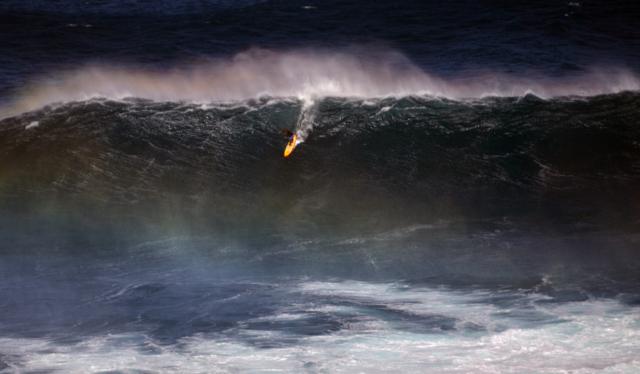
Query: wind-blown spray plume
{"points": [[304, 74]]}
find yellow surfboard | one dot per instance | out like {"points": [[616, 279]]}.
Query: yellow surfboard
{"points": [[293, 143]]}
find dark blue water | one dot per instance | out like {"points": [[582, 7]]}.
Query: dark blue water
{"points": [[555, 37], [464, 199]]}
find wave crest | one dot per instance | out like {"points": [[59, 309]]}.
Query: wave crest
{"points": [[304, 74]]}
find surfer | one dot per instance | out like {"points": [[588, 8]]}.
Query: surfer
{"points": [[292, 143], [288, 133]]}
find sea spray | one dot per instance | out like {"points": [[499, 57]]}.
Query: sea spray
{"points": [[304, 74]]}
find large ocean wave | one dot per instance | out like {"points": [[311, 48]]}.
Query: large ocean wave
{"points": [[465, 198], [386, 162]]}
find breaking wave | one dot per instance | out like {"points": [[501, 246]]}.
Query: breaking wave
{"points": [[303, 74], [387, 162]]}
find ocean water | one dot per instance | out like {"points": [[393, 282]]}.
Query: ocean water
{"points": [[464, 200]]}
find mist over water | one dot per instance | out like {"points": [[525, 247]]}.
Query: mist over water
{"points": [[465, 198], [305, 74]]}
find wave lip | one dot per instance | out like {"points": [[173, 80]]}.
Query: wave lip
{"points": [[304, 74]]}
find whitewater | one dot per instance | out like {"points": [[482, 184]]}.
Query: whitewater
{"points": [[303, 74]]}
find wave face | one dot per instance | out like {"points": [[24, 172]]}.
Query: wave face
{"points": [[384, 160], [304, 74]]}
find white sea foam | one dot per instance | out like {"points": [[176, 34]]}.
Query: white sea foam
{"points": [[598, 336], [303, 74], [32, 125]]}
